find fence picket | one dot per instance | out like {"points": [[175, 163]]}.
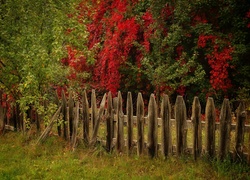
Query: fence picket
{"points": [[239, 132], [152, 127], [120, 125], [225, 125], [93, 109], [197, 134], [210, 127], [85, 117], [64, 113], [166, 140], [109, 123], [181, 125], [140, 124], [129, 112]]}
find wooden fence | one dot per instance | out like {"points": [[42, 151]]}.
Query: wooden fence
{"points": [[156, 134]]}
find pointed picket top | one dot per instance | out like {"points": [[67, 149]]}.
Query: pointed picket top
{"points": [[129, 109], [225, 125], [152, 127], [166, 140], [120, 125], [197, 134], [85, 114], [140, 124], [181, 125]]}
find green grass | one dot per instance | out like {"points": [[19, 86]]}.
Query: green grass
{"points": [[20, 158]]}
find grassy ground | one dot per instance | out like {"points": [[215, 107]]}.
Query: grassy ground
{"points": [[20, 158]]}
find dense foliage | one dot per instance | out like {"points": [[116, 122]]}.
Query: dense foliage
{"points": [[185, 47]]}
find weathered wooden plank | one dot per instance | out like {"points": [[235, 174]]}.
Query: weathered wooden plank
{"points": [[166, 139], [71, 115], [85, 117], [93, 109], [120, 125], [109, 123], [97, 122], [140, 124], [64, 113], [225, 125], [197, 133], [152, 127], [240, 130], [75, 126], [210, 127], [129, 109], [181, 125]]}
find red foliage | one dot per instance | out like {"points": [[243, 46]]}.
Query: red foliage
{"points": [[218, 60], [118, 34]]}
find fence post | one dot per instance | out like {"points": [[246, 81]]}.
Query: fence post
{"points": [[239, 131], [196, 120], [85, 114], [109, 123], [225, 127], [93, 110], [166, 140], [210, 127], [64, 113], [129, 122], [97, 122], [120, 124], [140, 124], [181, 125], [152, 126], [71, 115]]}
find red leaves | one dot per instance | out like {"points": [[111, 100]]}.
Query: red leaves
{"points": [[118, 34], [203, 39], [218, 59]]}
